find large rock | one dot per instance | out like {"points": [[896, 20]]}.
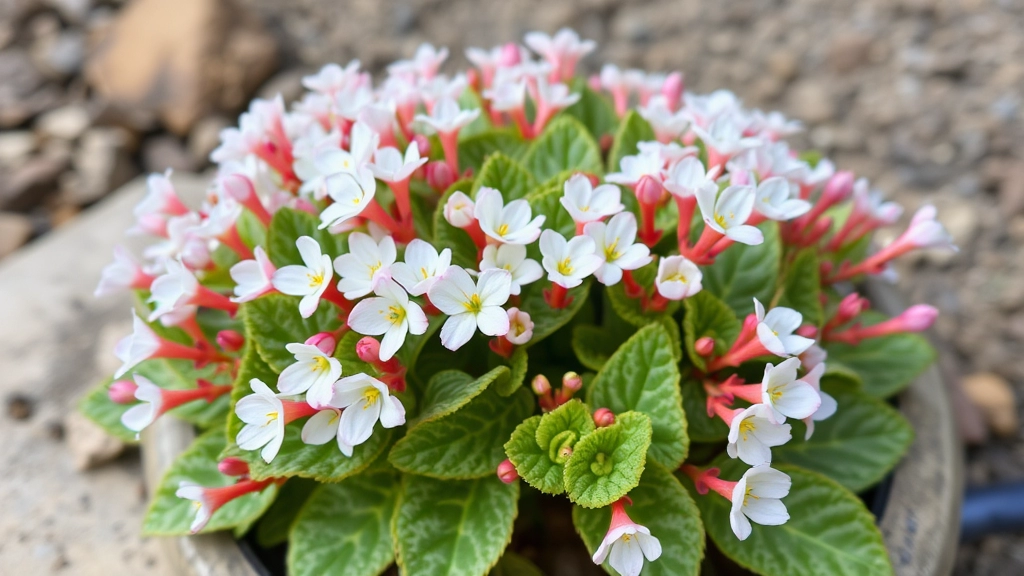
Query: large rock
{"points": [[182, 59]]}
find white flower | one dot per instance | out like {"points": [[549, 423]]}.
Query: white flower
{"points": [[562, 51], [447, 117], [614, 243], [121, 274], [828, 403], [365, 262], [507, 95], [160, 197], [588, 204], [667, 125], [196, 493], [471, 306], [351, 193], [264, 418], [459, 210], [678, 278], [633, 168], [173, 289], [138, 417], [785, 395], [390, 166], [422, 267], [391, 314], [872, 203], [925, 231], [725, 135], [313, 372], [425, 62], [671, 152], [512, 257], [753, 433], [626, 544], [520, 326], [509, 223], [568, 262], [552, 97], [363, 401], [758, 497], [729, 212], [775, 330], [775, 201], [688, 176], [140, 345], [253, 278], [310, 280], [333, 78]]}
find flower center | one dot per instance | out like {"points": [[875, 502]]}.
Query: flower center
{"points": [[474, 305], [720, 220], [565, 267], [375, 267], [271, 417], [370, 397], [321, 364], [503, 229], [396, 314], [611, 251], [746, 427], [676, 277], [315, 279]]}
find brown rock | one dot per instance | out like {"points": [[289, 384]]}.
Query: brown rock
{"points": [[101, 163], [849, 51], [811, 101], [784, 64], [15, 146], [15, 230], [31, 181], [146, 62], [162, 152], [992, 394], [205, 137], [66, 122], [1011, 188], [90, 445]]}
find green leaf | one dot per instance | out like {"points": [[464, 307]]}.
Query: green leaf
{"points": [[560, 429], [643, 376], [829, 531], [273, 322], [838, 377], [887, 364], [632, 130], [564, 145], [97, 406], [606, 464], [287, 225], [453, 527], [506, 175], [450, 390], [414, 343], [251, 230], [707, 316], [448, 236], [169, 515], [662, 505], [594, 110], [631, 309], [345, 528], [801, 289], [466, 443], [594, 345], [545, 201], [699, 426], [512, 564], [517, 366], [531, 461], [547, 320], [474, 150], [742, 273], [470, 100], [856, 447], [276, 524]]}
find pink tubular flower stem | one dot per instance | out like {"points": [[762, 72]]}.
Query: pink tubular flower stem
{"points": [[233, 240], [557, 296], [210, 299], [708, 480], [686, 207], [450, 145]]}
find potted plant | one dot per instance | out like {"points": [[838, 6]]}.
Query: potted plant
{"points": [[416, 321]]}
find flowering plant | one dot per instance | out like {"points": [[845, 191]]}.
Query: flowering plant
{"points": [[405, 312]]}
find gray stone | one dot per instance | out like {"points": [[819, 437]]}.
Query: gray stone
{"points": [[849, 51], [15, 146], [162, 152], [89, 444], [205, 137], [811, 101], [66, 123], [15, 230], [31, 181], [101, 163]]}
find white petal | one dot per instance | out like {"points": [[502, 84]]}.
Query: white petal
{"points": [[458, 329], [321, 427]]}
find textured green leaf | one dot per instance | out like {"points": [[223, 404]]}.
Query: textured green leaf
{"points": [[545, 201], [801, 289], [631, 309], [273, 322], [662, 505], [564, 145], [287, 225], [699, 426], [97, 406], [450, 390], [345, 528], [448, 236], [887, 364], [251, 230], [594, 110], [547, 320], [594, 345], [169, 515], [512, 564], [643, 376], [506, 175], [839, 377], [707, 316], [453, 527], [531, 461], [742, 273], [410, 351], [829, 531], [856, 447], [464, 444], [276, 524], [517, 365], [607, 463], [632, 130], [560, 429], [474, 150]]}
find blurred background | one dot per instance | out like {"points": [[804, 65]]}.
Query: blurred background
{"points": [[923, 97]]}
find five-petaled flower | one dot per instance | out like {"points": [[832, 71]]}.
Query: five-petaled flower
{"points": [[309, 280], [614, 244], [365, 262], [626, 543], [508, 223], [776, 330], [313, 373], [568, 262], [785, 395], [471, 305], [585, 203], [758, 497], [422, 267], [753, 433], [678, 278], [728, 212], [511, 257], [363, 400], [390, 313]]}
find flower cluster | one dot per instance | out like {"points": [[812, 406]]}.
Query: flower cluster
{"points": [[367, 216]]}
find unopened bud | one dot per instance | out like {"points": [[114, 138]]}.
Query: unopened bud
{"points": [[325, 341], [233, 467], [594, 180], [230, 340], [851, 306], [648, 190], [839, 187], [423, 144], [672, 90], [564, 452], [572, 381], [459, 210], [603, 417], [510, 55], [704, 346], [368, 350], [919, 317], [807, 331], [594, 82], [507, 472], [439, 175], [122, 391], [540, 385], [237, 187]]}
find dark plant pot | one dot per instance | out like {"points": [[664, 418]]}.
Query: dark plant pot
{"points": [[919, 504]]}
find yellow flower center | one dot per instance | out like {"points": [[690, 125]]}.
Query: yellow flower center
{"points": [[746, 427], [565, 267], [396, 314], [375, 267], [315, 279], [611, 251], [676, 277], [321, 364], [747, 496], [474, 304], [720, 220], [370, 397], [271, 417], [503, 229], [423, 273]]}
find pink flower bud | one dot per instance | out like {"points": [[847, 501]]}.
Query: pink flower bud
{"points": [[672, 90], [510, 55], [233, 467], [704, 346], [919, 317], [603, 417], [540, 385], [230, 340], [851, 306], [439, 175], [459, 210], [648, 190], [238, 187], [368, 350], [326, 342], [839, 187], [507, 472], [423, 143], [572, 381], [594, 82], [594, 180], [122, 392], [807, 331]]}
